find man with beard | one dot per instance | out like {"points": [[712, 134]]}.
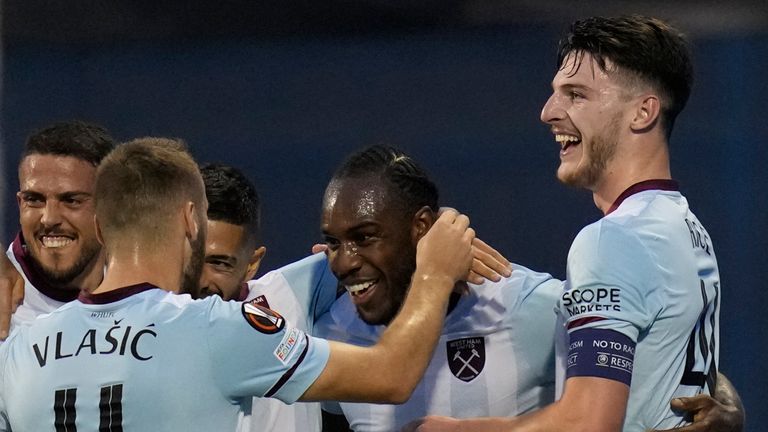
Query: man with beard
{"points": [[641, 301], [134, 356], [300, 292], [56, 251]]}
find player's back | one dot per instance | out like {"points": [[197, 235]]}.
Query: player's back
{"points": [[678, 354], [142, 360]]}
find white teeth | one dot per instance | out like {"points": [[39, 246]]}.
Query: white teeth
{"points": [[55, 242], [353, 289], [564, 139]]}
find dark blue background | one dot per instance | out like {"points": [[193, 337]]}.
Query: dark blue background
{"points": [[463, 102]]}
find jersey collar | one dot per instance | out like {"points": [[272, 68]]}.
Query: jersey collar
{"points": [[656, 184], [114, 295]]}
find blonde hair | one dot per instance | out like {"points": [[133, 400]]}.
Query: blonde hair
{"points": [[140, 183]]}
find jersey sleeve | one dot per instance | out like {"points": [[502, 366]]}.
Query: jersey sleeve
{"points": [[312, 282], [254, 353], [536, 319], [610, 298], [612, 282]]}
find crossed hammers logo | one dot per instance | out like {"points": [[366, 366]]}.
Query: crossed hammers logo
{"points": [[465, 362]]}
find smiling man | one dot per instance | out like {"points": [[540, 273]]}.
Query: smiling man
{"points": [[496, 351], [57, 251], [190, 363], [232, 251], [642, 296]]}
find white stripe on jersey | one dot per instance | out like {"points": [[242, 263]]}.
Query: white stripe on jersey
{"points": [[298, 299], [494, 358]]}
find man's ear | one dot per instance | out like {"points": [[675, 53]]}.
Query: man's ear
{"points": [[421, 223], [99, 236], [255, 262], [191, 226], [646, 114]]}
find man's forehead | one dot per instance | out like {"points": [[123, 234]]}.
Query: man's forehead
{"points": [[362, 198], [585, 73], [60, 174]]}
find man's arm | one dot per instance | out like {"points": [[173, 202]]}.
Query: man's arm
{"points": [[11, 293], [588, 404], [723, 413], [389, 371]]}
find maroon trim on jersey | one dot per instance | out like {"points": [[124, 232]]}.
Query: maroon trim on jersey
{"points": [[583, 321], [243, 294], [19, 248], [115, 295], [288, 374], [665, 185]]}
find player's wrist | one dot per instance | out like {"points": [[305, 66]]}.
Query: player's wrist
{"points": [[433, 280]]}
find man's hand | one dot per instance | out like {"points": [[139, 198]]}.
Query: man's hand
{"points": [[446, 249], [488, 263], [11, 294], [433, 424], [708, 414]]}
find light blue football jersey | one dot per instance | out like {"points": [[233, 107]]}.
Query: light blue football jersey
{"points": [[300, 292], [642, 300], [143, 359], [495, 356]]}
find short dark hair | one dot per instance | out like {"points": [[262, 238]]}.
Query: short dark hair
{"points": [[645, 48], [232, 198], [85, 141], [399, 172]]}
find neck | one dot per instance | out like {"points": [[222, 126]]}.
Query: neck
{"points": [[92, 276], [648, 161], [134, 264]]}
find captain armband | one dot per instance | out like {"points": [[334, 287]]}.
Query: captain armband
{"points": [[600, 353]]}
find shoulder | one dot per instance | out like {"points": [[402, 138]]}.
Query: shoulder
{"points": [[306, 268], [523, 286], [607, 245]]}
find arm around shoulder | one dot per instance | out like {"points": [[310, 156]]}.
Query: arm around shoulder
{"points": [[389, 371]]}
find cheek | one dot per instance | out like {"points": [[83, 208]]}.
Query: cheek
{"points": [[82, 221]]}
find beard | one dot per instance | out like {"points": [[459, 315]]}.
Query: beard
{"points": [[64, 277], [398, 283], [191, 277], [601, 150]]}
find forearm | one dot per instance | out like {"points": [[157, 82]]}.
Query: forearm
{"points": [[589, 404], [411, 337], [388, 371]]}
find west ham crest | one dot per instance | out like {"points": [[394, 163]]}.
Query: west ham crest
{"points": [[466, 357]]}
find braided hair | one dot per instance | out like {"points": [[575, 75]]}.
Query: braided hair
{"points": [[402, 175]]}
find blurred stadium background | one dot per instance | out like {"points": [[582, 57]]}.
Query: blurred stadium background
{"points": [[283, 90]]}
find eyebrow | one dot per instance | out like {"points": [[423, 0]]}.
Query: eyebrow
{"points": [[228, 258], [358, 227], [571, 86], [69, 194]]}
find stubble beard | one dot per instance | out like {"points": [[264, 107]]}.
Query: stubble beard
{"points": [[600, 151], [63, 277], [194, 269]]}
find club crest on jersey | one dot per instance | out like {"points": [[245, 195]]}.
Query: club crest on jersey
{"points": [[261, 300], [466, 357], [262, 319]]}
